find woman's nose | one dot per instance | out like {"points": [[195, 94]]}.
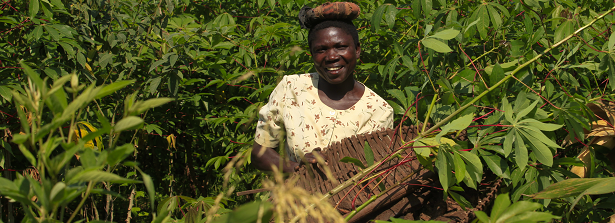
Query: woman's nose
{"points": [[332, 55]]}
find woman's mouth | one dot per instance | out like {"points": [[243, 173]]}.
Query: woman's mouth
{"points": [[333, 68]]}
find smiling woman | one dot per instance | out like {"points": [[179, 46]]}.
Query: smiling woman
{"points": [[317, 109]]}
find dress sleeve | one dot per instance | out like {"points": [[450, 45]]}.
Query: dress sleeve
{"points": [[387, 121], [270, 123], [384, 120]]}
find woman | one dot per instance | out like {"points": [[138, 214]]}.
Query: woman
{"points": [[316, 109]]}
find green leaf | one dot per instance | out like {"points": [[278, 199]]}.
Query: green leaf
{"points": [[36, 79], [143, 106], [495, 163], [518, 208], [37, 32], [85, 97], [153, 86], [427, 7], [400, 96], [353, 161], [495, 17], [482, 216], [460, 167], [501, 8], [436, 45], [119, 153], [53, 32], [611, 63], [27, 154], [458, 124], [508, 111], [128, 123], [540, 125], [500, 205], [377, 16], [462, 201], [416, 4], [248, 213], [497, 74], [149, 185], [521, 156], [390, 14], [173, 84], [59, 187], [564, 30], [605, 186], [57, 3], [111, 88], [20, 138], [471, 24], [508, 141], [534, 132], [611, 42], [446, 34], [472, 159], [533, 217], [156, 64], [483, 24], [33, 8], [106, 58], [5, 92], [443, 169], [369, 154], [525, 111], [99, 176]]}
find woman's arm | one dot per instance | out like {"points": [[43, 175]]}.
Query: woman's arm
{"points": [[270, 158]]}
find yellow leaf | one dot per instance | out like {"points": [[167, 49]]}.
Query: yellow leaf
{"points": [[171, 141], [81, 130]]}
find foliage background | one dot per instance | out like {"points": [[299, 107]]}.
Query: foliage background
{"points": [[220, 59]]}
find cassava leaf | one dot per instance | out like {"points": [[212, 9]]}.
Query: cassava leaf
{"points": [[436, 45]]}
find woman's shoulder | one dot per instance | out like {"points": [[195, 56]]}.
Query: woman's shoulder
{"points": [[300, 77]]}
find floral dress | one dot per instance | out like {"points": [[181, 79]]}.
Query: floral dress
{"points": [[295, 108]]}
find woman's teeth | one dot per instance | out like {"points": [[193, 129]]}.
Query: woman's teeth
{"points": [[334, 68]]}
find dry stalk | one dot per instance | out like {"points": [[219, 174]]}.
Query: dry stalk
{"points": [[290, 201]]}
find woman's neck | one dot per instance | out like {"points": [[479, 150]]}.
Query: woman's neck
{"points": [[340, 96], [337, 91]]}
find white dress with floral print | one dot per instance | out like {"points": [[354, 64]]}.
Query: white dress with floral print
{"points": [[295, 106]]}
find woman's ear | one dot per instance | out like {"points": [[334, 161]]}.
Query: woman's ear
{"points": [[358, 50]]}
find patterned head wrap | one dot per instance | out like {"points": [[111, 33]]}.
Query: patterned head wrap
{"points": [[309, 17]]}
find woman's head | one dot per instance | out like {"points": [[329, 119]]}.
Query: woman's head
{"points": [[335, 53], [346, 26], [333, 39]]}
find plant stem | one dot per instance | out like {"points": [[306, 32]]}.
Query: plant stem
{"points": [[130, 203], [367, 170], [433, 103], [87, 193]]}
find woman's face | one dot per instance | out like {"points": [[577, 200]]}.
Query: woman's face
{"points": [[334, 54]]}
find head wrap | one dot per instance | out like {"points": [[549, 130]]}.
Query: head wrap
{"points": [[309, 17]]}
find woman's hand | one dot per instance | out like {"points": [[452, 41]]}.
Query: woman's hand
{"points": [[290, 167], [311, 157], [264, 158]]}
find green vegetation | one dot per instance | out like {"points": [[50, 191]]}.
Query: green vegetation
{"points": [[115, 110]]}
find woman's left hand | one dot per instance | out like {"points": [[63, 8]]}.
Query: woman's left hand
{"points": [[311, 157]]}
